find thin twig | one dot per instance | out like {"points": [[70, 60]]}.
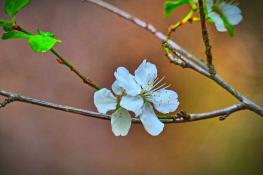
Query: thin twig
{"points": [[172, 28], [65, 62], [191, 60], [179, 118], [205, 35], [73, 69]]}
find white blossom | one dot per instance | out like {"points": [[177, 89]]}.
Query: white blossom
{"points": [[227, 9], [138, 93], [151, 92]]}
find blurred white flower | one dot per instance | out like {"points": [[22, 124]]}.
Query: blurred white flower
{"points": [[229, 10], [137, 93]]}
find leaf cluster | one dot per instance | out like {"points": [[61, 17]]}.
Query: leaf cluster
{"points": [[40, 42]]}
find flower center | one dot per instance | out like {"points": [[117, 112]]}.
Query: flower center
{"points": [[153, 87]]}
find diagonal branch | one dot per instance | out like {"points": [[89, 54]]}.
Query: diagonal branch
{"points": [[191, 60], [148, 27], [216, 78], [181, 117]]}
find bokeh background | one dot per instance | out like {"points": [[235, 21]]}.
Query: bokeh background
{"points": [[39, 141]]}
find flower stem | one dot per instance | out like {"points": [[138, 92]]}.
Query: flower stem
{"points": [[173, 28]]}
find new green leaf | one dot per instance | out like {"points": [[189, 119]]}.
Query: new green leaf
{"points": [[15, 35], [7, 25], [41, 43], [170, 6], [46, 33], [2, 23], [12, 7]]}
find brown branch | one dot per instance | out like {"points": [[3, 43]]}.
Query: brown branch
{"points": [[216, 78], [206, 41], [190, 60], [65, 62], [179, 118]]}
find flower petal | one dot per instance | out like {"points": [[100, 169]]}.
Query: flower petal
{"points": [[117, 89], [230, 9], [218, 21], [150, 121], [132, 103], [165, 101], [104, 100], [145, 74], [209, 4], [127, 81], [233, 14], [235, 19], [120, 122]]}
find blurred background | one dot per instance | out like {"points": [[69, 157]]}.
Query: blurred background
{"points": [[40, 141]]}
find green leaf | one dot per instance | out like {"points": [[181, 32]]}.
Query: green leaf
{"points": [[15, 35], [12, 7], [7, 25], [45, 33], [40, 43], [8, 28], [2, 23], [170, 6]]}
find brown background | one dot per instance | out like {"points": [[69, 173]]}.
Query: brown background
{"points": [[38, 141]]}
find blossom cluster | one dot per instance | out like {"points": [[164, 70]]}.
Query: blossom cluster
{"points": [[225, 14], [139, 93]]}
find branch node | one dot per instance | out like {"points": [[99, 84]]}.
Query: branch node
{"points": [[176, 60], [183, 115], [223, 117], [7, 101], [211, 68]]}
